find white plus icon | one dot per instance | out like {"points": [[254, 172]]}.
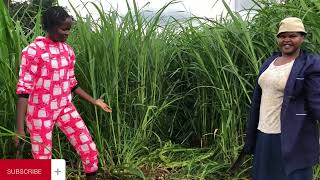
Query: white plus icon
{"points": [[58, 169]]}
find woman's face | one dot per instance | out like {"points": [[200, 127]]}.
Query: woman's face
{"points": [[290, 42], [60, 33]]}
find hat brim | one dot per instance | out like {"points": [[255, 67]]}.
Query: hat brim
{"points": [[303, 32]]}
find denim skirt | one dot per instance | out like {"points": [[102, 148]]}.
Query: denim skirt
{"points": [[268, 163]]}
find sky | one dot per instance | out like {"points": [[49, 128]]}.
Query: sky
{"points": [[181, 9]]}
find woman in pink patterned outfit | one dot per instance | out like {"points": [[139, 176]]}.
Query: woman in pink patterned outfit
{"points": [[46, 81]]}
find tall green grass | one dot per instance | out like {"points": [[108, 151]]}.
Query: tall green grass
{"points": [[180, 92]]}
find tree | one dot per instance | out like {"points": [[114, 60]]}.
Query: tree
{"points": [[26, 11], [44, 4], [7, 2]]}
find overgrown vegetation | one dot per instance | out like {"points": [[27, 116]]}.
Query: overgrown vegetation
{"points": [[180, 93]]}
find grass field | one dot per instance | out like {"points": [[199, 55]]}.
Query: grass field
{"points": [[180, 92]]}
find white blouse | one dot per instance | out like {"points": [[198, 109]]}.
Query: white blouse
{"points": [[272, 82]]}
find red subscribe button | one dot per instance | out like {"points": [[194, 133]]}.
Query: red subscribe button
{"points": [[32, 169]]}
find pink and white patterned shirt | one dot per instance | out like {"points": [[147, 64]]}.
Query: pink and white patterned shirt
{"points": [[47, 73]]}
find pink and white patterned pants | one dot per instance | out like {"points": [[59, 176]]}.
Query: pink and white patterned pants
{"points": [[40, 127]]}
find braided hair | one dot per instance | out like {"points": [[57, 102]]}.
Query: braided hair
{"points": [[53, 17]]}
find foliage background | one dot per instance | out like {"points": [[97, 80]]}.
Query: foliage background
{"points": [[180, 91]]}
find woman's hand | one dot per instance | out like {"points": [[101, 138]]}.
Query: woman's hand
{"points": [[19, 143], [100, 103], [19, 134]]}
